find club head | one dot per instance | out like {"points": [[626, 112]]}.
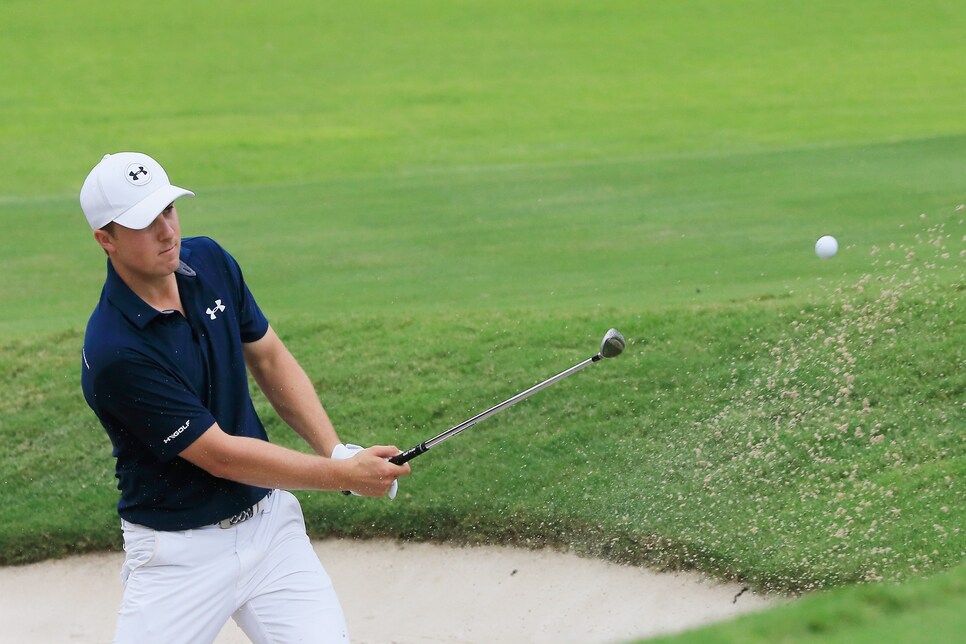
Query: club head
{"points": [[612, 345]]}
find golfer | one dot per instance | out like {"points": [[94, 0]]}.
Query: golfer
{"points": [[209, 530]]}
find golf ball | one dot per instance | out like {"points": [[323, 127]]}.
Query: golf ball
{"points": [[826, 247]]}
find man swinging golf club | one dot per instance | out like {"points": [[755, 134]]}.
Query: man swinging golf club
{"points": [[209, 532]]}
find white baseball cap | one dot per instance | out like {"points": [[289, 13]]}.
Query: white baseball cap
{"points": [[128, 187]]}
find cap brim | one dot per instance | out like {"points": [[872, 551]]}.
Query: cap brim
{"points": [[140, 215]]}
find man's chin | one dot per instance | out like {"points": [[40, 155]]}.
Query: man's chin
{"points": [[173, 259]]}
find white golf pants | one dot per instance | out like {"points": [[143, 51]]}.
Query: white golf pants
{"points": [[183, 586]]}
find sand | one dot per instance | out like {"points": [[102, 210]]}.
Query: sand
{"points": [[412, 593]]}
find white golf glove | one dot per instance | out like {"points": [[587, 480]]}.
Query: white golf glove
{"points": [[342, 452]]}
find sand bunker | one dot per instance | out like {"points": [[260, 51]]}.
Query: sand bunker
{"points": [[411, 593]]}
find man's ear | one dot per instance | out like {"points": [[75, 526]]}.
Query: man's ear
{"points": [[105, 239]]}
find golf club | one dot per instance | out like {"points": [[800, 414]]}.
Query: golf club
{"points": [[611, 346]]}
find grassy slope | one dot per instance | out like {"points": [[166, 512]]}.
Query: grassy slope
{"points": [[797, 449], [500, 176]]}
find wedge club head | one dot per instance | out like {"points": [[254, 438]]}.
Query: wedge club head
{"points": [[612, 345]]}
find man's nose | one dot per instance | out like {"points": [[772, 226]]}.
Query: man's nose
{"points": [[164, 227]]}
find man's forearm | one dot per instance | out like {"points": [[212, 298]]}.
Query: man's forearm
{"points": [[291, 393], [296, 402], [257, 462]]}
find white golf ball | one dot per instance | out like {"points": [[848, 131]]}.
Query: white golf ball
{"points": [[826, 247]]}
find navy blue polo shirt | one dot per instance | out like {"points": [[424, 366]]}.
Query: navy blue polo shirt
{"points": [[157, 380]]}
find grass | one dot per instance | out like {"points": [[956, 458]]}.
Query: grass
{"points": [[641, 235], [440, 204], [923, 610], [795, 449]]}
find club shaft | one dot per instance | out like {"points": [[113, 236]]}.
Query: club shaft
{"points": [[413, 452]]}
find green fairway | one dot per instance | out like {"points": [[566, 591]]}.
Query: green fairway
{"points": [[441, 204], [428, 157]]}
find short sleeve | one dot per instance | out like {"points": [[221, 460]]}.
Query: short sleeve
{"points": [[141, 397]]}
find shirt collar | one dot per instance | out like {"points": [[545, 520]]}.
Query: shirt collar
{"points": [[129, 303]]}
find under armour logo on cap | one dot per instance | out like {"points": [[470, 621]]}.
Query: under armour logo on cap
{"points": [[137, 175]]}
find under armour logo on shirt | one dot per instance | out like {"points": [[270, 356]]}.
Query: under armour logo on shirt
{"points": [[219, 307]]}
